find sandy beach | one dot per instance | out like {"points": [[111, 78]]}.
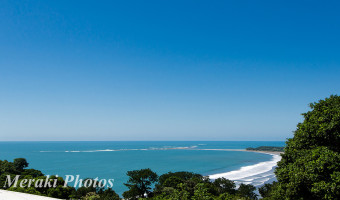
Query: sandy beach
{"points": [[257, 174]]}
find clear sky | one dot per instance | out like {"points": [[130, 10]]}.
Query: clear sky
{"points": [[164, 70]]}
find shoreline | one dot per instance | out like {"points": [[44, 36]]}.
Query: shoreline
{"points": [[257, 174]]}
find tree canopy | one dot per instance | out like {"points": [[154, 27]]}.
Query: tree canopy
{"points": [[140, 182], [20, 164], [310, 165]]}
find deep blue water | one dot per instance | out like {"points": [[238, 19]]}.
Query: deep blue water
{"points": [[84, 159]]}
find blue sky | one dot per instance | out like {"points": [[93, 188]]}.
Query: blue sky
{"points": [[164, 70]]}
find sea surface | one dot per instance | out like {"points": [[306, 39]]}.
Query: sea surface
{"points": [[111, 160]]}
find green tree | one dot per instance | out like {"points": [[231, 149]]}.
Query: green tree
{"points": [[108, 194], [201, 193], [139, 183], [91, 196], [33, 172], [172, 179], [247, 191], [266, 189], [224, 185], [225, 196], [172, 182], [60, 192], [181, 175], [7, 167], [315, 175], [310, 165], [169, 193], [20, 164]]}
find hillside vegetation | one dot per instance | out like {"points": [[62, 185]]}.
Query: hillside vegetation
{"points": [[266, 148]]}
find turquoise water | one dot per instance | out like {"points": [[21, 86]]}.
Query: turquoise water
{"points": [[111, 160]]}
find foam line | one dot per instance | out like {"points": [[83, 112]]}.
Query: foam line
{"points": [[244, 173], [109, 150]]}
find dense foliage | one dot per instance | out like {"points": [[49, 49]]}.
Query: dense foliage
{"points": [[266, 148], [310, 165], [170, 186], [17, 167], [185, 186]]}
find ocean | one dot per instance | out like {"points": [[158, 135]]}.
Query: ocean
{"points": [[112, 159]]}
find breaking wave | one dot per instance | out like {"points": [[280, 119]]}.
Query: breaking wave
{"points": [[256, 174], [109, 150]]}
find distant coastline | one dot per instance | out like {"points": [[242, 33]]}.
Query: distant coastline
{"points": [[266, 152], [267, 149], [246, 150]]}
